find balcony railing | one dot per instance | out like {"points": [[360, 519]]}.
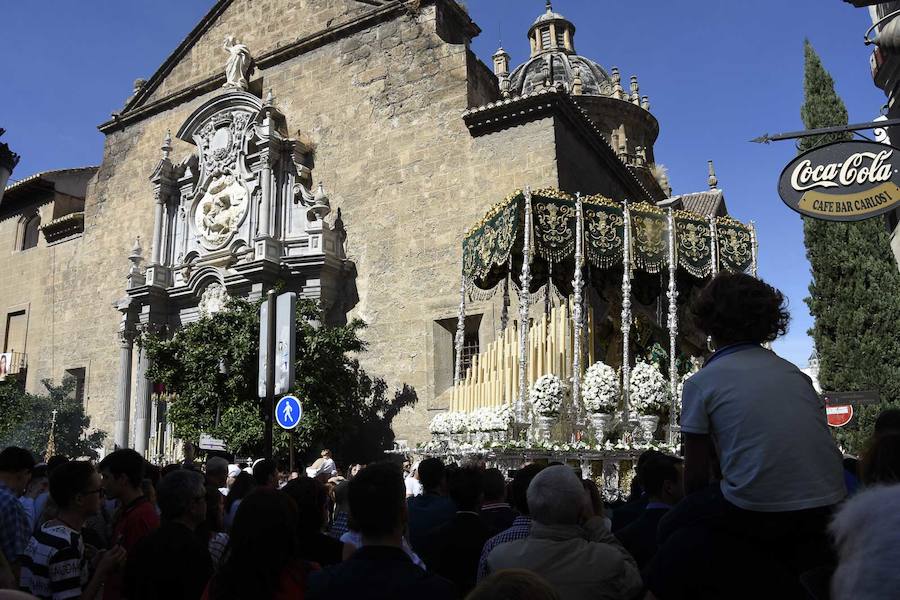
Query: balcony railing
{"points": [[12, 364]]}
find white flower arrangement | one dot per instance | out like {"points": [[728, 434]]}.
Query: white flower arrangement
{"points": [[500, 418], [601, 388], [547, 394], [648, 389], [478, 421], [440, 424], [543, 445], [458, 422]]}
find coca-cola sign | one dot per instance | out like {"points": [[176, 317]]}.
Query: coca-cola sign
{"points": [[843, 181]]}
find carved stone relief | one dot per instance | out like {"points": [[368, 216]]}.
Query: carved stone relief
{"points": [[220, 211], [213, 300]]}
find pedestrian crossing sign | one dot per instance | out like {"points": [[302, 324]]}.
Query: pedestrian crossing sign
{"points": [[288, 412]]}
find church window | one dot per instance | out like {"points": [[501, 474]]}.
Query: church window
{"points": [[30, 232], [469, 349], [545, 38], [78, 375], [16, 325], [560, 38], [445, 349]]}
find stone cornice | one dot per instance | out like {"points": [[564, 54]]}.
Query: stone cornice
{"points": [[64, 227], [135, 111], [503, 114]]}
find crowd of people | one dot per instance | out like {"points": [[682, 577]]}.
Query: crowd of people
{"points": [[761, 505]]}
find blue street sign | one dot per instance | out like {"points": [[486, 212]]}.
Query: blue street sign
{"points": [[288, 412]]}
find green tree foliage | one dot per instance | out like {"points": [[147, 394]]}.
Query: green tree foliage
{"points": [[343, 408], [855, 291], [25, 420]]}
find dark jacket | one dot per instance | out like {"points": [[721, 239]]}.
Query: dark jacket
{"points": [[170, 563], [453, 550], [427, 512], [498, 517], [378, 573], [639, 538], [627, 513], [320, 548]]}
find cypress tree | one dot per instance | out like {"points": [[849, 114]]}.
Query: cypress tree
{"points": [[855, 291]]}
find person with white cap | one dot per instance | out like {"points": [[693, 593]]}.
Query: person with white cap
{"points": [[233, 472], [413, 487]]}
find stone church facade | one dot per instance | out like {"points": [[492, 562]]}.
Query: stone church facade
{"points": [[383, 103]]}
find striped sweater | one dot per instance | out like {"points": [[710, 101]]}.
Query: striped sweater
{"points": [[53, 563]]}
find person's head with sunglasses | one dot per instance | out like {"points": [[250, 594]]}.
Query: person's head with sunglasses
{"points": [[77, 489]]}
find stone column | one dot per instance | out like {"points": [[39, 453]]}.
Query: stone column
{"points": [[266, 202], [157, 227], [142, 405], [123, 391]]}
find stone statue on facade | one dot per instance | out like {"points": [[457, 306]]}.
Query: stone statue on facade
{"points": [[239, 64]]}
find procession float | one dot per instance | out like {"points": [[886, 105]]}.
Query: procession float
{"points": [[588, 369]]}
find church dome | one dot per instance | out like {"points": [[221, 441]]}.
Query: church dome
{"points": [[554, 61], [559, 67]]}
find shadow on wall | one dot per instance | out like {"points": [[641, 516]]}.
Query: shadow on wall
{"points": [[369, 432]]}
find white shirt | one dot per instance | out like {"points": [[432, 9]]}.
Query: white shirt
{"points": [[769, 425], [413, 487], [326, 466]]}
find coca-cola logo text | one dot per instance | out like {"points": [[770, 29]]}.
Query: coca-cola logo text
{"points": [[859, 169]]}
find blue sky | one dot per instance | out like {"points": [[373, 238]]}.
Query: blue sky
{"points": [[718, 73]]}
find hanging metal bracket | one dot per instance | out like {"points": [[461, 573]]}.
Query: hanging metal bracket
{"points": [[792, 135]]}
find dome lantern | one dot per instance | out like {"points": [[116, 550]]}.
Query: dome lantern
{"points": [[501, 62], [551, 32]]}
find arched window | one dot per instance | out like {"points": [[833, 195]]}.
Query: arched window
{"points": [[30, 232]]}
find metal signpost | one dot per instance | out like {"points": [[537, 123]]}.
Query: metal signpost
{"points": [[848, 180], [277, 337], [288, 412]]}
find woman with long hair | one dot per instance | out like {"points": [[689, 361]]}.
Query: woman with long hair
{"points": [[261, 559]]}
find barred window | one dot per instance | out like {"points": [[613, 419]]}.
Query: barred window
{"points": [[470, 349]]}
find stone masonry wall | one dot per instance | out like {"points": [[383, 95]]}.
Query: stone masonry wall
{"points": [[383, 111], [39, 281], [261, 25]]}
